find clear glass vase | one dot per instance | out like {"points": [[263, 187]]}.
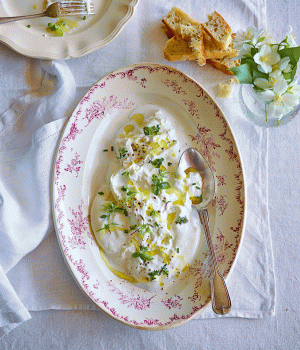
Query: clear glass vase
{"points": [[258, 111]]}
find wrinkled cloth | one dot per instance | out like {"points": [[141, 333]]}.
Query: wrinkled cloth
{"points": [[35, 276]]}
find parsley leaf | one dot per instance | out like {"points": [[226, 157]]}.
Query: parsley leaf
{"points": [[144, 229], [157, 163], [126, 174], [151, 130], [158, 184], [123, 152], [181, 220], [142, 254], [155, 273]]}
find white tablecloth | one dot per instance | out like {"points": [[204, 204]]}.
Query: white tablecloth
{"points": [[278, 156]]}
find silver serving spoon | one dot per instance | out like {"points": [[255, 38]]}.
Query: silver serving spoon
{"points": [[191, 158]]}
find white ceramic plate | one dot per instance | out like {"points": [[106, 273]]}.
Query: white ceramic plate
{"points": [[93, 33], [81, 166]]}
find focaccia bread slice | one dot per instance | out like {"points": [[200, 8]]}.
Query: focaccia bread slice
{"points": [[218, 29], [174, 18], [194, 36], [177, 49], [224, 64], [212, 51]]}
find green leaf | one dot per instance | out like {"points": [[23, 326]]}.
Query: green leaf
{"points": [[292, 52], [243, 73], [157, 162], [152, 130]]}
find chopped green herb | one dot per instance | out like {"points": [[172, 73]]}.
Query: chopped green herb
{"points": [[105, 150], [28, 26], [53, 26], [142, 254], [107, 227], [152, 130], [123, 188], [181, 220], [169, 163], [198, 188], [133, 227], [123, 152], [126, 174], [84, 18], [156, 273], [143, 229], [157, 163], [158, 184], [111, 208], [177, 250], [126, 231], [112, 148], [156, 224], [154, 213], [194, 184], [101, 193], [104, 216]]}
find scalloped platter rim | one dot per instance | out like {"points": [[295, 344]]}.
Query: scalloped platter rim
{"points": [[31, 39], [81, 166]]}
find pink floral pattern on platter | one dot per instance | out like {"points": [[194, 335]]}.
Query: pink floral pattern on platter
{"points": [[221, 204], [74, 166], [201, 271], [173, 302], [78, 227], [207, 144], [173, 84], [221, 180], [88, 111], [100, 108], [221, 246], [131, 300]]}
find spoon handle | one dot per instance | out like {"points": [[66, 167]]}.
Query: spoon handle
{"points": [[220, 298]]}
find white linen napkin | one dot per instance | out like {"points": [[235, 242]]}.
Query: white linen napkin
{"points": [[31, 129]]}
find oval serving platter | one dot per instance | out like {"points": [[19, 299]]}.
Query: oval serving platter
{"points": [[81, 166]]}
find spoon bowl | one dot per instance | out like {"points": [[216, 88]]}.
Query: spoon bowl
{"points": [[191, 158]]}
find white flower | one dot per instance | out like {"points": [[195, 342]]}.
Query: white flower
{"points": [[290, 39], [281, 101], [265, 58], [249, 35], [244, 51], [282, 64], [268, 83], [294, 88]]}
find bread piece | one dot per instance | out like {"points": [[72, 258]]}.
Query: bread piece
{"points": [[224, 64], [219, 30], [174, 18], [212, 51], [194, 36], [177, 49]]}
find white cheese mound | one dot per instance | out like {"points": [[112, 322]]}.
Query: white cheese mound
{"points": [[143, 219]]}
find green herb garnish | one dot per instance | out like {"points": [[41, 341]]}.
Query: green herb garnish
{"points": [[158, 184], [169, 163], [181, 220], [101, 193], [157, 163], [123, 152], [154, 213], [156, 273], [151, 130], [144, 229], [107, 227], [142, 254], [126, 174], [111, 208]]}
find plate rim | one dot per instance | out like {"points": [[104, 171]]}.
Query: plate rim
{"points": [[65, 54], [244, 216]]}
